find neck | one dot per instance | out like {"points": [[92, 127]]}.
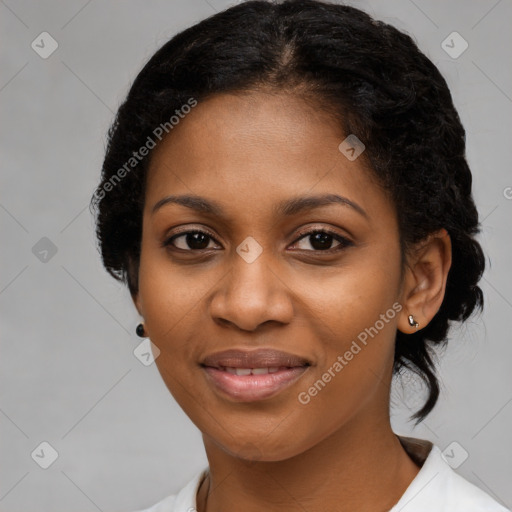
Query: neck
{"points": [[362, 466]]}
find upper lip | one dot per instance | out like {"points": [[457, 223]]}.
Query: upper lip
{"points": [[260, 358]]}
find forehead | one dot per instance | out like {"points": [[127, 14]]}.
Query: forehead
{"points": [[226, 125], [247, 150]]}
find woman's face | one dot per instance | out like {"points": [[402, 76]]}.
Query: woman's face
{"points": [[254, 276]]}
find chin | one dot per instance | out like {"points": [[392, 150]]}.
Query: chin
{"points": [[260, 451]]}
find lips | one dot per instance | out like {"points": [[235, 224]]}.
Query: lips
{"points": [[246, 376], [261, 358]]}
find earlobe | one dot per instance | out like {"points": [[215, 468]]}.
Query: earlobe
{"points": [[425, 281], [140, 329]]}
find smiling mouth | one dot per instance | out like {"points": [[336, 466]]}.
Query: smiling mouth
{"points": [[252, 384], [242, 375]]}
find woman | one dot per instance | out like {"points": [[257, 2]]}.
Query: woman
{"points": [[286, 195]]}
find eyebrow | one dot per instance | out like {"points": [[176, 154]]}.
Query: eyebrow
{"points": [[286, 208]]}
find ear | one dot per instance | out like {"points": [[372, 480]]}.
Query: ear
{"points": [[137, 302], [425, 279], [133, 277]]}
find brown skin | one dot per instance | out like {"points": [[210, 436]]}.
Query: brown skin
{"points": [[248, 152]]}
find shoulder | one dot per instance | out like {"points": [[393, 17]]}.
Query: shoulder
{"points": [[462, 495], [438, 487], [183, 501]]}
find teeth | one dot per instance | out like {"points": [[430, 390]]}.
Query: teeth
{"points": [[259, 371], [250, 371]]}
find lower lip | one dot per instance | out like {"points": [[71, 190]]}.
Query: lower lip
{"points": [[250, 388]]}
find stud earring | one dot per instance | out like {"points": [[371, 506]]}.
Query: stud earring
{"points": [[140, 331], [413, 322]]}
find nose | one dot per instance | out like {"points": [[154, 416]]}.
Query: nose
{"points": [[252, 294]]}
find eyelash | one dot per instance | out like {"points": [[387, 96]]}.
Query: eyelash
{"points": [[344, 242]]}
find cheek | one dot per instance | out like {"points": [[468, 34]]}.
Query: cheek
{"points": [[172, 297], [170, 292], [347, 300], [354, 315]]}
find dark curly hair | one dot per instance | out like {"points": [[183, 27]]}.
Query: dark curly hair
{"points": [[368, 75]]}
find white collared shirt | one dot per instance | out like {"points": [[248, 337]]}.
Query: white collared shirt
{"points": [[436, 487]]}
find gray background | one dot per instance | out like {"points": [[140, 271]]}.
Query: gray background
{"points": [[68, 375]]}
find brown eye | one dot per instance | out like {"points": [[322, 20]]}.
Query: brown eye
{"points": [[190, 241], [322, 240]]}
